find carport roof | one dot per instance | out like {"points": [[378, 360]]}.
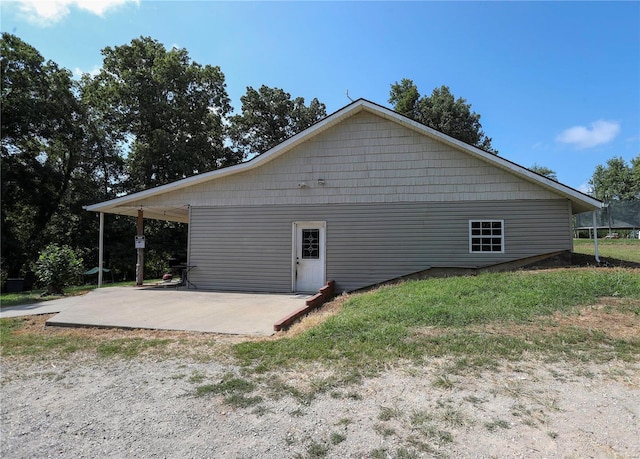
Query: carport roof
{"points": [[129, 204]]}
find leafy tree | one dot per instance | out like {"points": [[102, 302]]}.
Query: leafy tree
{"points": [[164, 111], [542, 170], [616, 180], [441, 111], [269, 117], [58, 267], [635, 175], [105, 157], [42, 144], [405, 96]]}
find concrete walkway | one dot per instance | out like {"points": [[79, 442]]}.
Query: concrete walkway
{"points": [[45, 307], [168, 309]]}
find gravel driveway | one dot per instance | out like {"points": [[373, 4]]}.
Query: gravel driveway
{"points": [[109, 407]]}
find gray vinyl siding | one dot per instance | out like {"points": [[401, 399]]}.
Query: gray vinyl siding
{"points": [[250, 249], [365, 159]]}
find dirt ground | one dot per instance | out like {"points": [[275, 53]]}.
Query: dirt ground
{"points": [[151, 406]]}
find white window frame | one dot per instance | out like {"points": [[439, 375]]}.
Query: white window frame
{"points": [[492, 236]]}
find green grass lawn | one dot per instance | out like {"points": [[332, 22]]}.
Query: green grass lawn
{"points": [[620, 249]]}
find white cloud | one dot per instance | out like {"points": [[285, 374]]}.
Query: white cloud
{"points": [[598, 133], [47, 12], [78, 72]]}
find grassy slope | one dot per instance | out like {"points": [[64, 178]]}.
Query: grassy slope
{"points": [[379, 327], [620, 249]]}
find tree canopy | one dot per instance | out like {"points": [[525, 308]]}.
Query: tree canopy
{"points": [[164, 110], [43, 136], [617, 180], [269, 117], [542, 170], [440, 111]]}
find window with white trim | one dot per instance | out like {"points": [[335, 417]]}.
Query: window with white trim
{"points": [[486, 236]]}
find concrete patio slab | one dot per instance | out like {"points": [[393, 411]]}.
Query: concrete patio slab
{"points": [[188, 310]]}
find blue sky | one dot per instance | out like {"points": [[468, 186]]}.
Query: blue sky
{"points": [[557, 84]]}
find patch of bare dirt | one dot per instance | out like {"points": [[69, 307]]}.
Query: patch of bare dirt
{"points": [[315, 317], [581, 260], [610, 316]]}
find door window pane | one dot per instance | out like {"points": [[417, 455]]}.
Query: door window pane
{"points": [[311, 243]]}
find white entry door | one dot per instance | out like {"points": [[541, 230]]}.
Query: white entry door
{"points": [[308, 256]]}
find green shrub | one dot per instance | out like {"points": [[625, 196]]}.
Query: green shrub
{"points": [[3, 274], [58, 267]]}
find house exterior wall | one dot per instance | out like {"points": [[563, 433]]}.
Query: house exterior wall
{"points": [[250, 247], [395, 202], [364, 159]]}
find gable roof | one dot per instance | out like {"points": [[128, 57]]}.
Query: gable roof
{"points": [[580, 202]]}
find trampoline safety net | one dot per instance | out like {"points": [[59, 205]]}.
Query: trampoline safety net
{"points": [[616, 215]]}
